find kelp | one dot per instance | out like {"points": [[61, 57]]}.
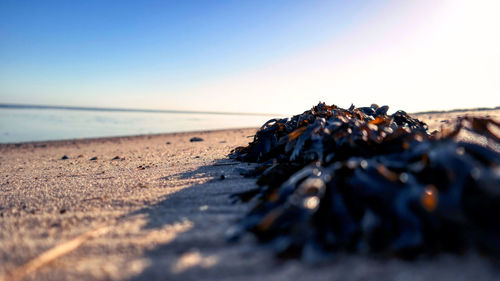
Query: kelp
{"points": [[360, 180]]}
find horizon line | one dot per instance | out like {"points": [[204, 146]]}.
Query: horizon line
{"points": [[114, 109]]}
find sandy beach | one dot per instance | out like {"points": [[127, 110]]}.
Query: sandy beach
{"points": [[157, 207]]}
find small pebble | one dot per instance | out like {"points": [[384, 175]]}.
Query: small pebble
{"points": [[64, 157], [116, 158], [222, 177], [62, 211], [168, 142], [195, 139], [93, 158]]}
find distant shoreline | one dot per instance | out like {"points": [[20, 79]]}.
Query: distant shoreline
{"points": [[457, 110], [82, 108], [138, 137]]}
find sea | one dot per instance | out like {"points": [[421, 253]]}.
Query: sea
{"points": [[28, 124]]}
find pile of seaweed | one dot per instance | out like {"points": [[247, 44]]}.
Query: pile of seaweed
{"points": [[360, 180]]}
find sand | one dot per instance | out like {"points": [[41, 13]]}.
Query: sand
{"points": [[161, 205]]}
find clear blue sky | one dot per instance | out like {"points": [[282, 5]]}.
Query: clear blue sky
{"points": [[252, 56]]}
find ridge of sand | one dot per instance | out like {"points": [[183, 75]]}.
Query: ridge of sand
{"points": [[167, 209]]}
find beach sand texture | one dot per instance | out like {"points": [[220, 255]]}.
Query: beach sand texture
{"points": [[157, 208]]}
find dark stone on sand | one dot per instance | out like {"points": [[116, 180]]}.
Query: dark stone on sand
{"points": [[93, 158], [64, 157], [116, 158], [168, 142], [222, 177], [195, 139]]}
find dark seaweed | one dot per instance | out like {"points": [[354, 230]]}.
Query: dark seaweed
{"points": [[360, 180]]}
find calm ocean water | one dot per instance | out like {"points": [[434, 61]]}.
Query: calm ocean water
{"points": [[23, 125]]}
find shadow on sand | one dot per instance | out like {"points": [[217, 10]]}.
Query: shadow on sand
{"points": [[202, 251]]}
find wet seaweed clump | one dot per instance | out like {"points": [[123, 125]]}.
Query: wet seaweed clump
{"points": [[361, 180]]}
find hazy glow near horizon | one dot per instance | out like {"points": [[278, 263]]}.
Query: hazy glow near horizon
{"points": [[279, 57]]}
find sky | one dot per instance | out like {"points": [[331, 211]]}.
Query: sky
{"points": [[250, 56]]}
